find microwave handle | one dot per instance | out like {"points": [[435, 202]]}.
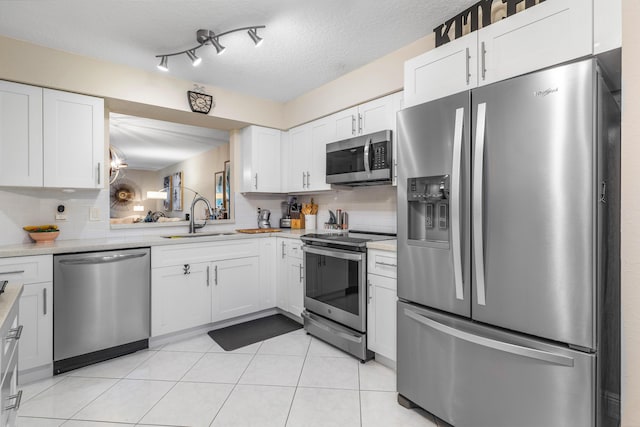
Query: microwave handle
{"points": [[367, 151]]}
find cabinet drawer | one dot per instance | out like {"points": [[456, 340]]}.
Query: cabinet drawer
{"points": [[382, 263], [10, 397], [9, 334], [295, 249], [28, 269], [162, 256]]}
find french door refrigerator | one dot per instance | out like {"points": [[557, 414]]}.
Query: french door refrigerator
{"points": [[508, 252]]}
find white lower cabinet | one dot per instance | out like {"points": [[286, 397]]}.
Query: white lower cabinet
{"points": [[381, 308], [195, 284], [180, 297], [295, 276], [236, 287], [290, 276], [36, 310], [381, 316], [36, 317]]}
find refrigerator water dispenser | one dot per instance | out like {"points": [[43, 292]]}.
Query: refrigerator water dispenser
{"points": [[428, 210]]}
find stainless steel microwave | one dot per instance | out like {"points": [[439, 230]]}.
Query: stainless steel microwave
{"points": [[363, 160]]}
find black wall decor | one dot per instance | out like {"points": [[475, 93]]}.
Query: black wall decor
{"points": [[472, 16]]}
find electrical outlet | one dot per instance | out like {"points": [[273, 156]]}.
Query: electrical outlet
{"points": [[94, 213], [61, 217]]}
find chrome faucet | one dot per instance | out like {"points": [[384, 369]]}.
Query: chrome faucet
{"points": [[192, 224]]}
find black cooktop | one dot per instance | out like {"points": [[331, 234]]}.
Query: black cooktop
{"points": [[349, 238]]}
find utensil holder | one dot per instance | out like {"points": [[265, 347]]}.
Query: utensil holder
{"points": [[310, 222]]}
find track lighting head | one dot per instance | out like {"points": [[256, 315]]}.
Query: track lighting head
{"points": [[163, 65], [195, 60], [208, 37], [253, 33], [219, 48]]}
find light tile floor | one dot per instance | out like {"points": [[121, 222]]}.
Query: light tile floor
{"points": [[291, 380]]}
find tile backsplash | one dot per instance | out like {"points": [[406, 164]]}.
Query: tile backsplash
{"points": [[369, 208]]}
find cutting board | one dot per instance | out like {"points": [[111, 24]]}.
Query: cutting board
{"points": [[257, 230]]}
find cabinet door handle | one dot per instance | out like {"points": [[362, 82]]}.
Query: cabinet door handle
{"points": [[301, 275], [12, 272], [308, 180], [186, 269], [303, 175], [256, 181], [215, 275], [208, 275], [99, 177], [44, 301], [360, 123], [16, 404], [14, 334], [283, 254], [483, 52], [468, 73], [370, 296], [353, 125], [387, 264]]}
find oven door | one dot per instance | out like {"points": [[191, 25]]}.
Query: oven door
{"points": [[335, 285]]}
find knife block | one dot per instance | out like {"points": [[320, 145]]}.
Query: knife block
{"points": [[297, 220]]}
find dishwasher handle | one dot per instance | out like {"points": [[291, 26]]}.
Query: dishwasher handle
{"points": [[102, 259]]}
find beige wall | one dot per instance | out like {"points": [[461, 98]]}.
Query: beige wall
{"points": [[32, 64], [380, 77], [631, 214]]}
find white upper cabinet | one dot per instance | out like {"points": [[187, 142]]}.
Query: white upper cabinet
{"points": [[345, 123], [20, 135], [449, 69], [299, 157], [261, 167], [74, 148], [321, 134], [541, 36], [307, 156], [372, 116], [607, 25]]}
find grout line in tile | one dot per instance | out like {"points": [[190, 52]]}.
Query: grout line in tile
{"points": [[108, 388], [169, 391], [236, 384], [359, 395], [42, 391], [306, 355]]}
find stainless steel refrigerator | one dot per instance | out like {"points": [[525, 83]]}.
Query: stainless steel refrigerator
{"points": [[508, 253]]}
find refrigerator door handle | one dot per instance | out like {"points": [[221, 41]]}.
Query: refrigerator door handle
{"points": [[456, 242], [478, 172], [531, 353]]}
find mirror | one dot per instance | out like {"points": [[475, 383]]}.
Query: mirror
{"points": [[165, 165]]}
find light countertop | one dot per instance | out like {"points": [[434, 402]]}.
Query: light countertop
{"points": [[87, 245], [384, 245]]}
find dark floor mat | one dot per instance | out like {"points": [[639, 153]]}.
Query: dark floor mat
{"points": [[244, 334]]}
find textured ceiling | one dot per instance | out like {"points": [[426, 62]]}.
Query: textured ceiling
{"points": [[306, 43], [153, 145]]}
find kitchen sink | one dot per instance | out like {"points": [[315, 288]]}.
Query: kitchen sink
{"points": [[180, 236]]}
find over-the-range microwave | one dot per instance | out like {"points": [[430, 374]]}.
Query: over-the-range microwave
{"points": [[362, 160]]}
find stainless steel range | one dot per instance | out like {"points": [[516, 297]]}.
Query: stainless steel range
{"points": [[335, 299]]}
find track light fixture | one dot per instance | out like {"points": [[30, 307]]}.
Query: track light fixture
{"points": [[253, 33], [195, 60], [163, 65], [208, 37]]}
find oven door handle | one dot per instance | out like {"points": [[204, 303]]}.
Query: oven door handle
{"points": [[334, 253]]}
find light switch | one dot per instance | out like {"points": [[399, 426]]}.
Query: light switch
{"points": [[94, 213]]}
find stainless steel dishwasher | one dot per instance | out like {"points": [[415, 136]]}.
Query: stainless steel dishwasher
{"points": [[101, 306]]}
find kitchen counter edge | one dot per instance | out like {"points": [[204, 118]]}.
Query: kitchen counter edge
{"points": [[384, 245], [105, 244]]}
